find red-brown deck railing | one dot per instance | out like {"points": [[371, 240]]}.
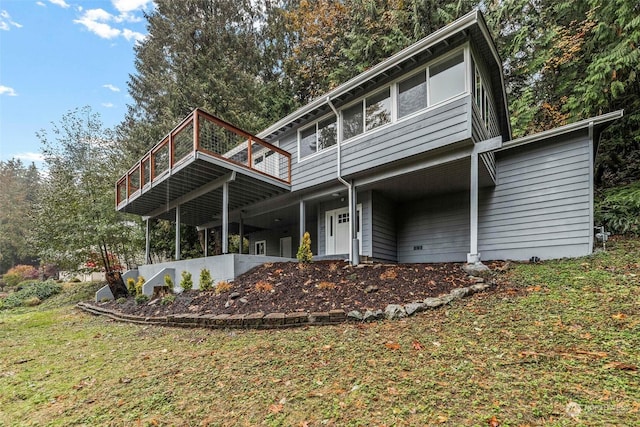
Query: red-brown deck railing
{"points": [[202, 132]]}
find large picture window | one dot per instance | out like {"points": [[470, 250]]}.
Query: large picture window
{"points": [[352, 121], [378, 110], [412, 94]]}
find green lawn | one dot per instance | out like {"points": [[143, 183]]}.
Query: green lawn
{"points": [[560, 345]]}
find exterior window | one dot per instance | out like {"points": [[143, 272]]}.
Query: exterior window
{"points": [[447, 79], [412, 94], [321, 135], [327, 133], [378, 111], [261, 247], [352, 121]]}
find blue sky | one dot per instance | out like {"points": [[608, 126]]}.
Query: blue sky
{"points": [[58, 55]]}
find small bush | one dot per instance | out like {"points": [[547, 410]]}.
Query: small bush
{"points": [[186, 283], [29, 291], [121, 300], [304, 254], [31, 302], [131, 286], [168, 299], [223, 287], [20, 273], [206, 284], [141, 281], [618, 209], [141, 299], [263, 286], [168, 282]]}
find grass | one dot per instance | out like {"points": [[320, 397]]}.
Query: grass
{"points": [[560, 339]]}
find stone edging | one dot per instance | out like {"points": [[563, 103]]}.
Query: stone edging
{"points": [[261, 320]]}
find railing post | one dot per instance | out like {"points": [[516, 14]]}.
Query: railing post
{"points": [[171, 151], [249, 153], [196, 130]]}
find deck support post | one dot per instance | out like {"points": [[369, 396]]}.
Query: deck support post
{"points": [[206, 241], [303, 226], [147, 245], [225, 218], [177, 256], [241, 235], [473, 257]]}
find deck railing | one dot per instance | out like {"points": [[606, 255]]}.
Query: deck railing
{"points": [[202, 132]]}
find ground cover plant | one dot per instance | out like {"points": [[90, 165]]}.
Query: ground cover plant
{"points": [[554, 343]]}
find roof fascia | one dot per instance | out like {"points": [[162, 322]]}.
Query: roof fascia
{"points": [[466, 21], [602, 120]]}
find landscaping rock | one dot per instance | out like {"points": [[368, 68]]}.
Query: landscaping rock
{"points": [[476, 279], [433, 302], [243, 300], [371, 288], [355, 314], [459, 293], [413, 308], [478, 269], [370, 316], [234, 295], [395, 311], [478, 287]]}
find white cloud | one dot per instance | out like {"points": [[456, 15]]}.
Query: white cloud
{"points": [[94, 21], [6, 90], [107, 105], [39, 3], [124, 6], [112, 87], [30, 157], [129, 35], [60, 3], [6, 22]]}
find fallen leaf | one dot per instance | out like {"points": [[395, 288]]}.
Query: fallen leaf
{"points": [[392, 345], [442, 419], [276, 408], [392, 391], [621, 366], [417, 346], [619, 316], [493, 422]]}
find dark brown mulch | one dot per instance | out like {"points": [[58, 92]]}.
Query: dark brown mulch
{"points": [[319, 286]]}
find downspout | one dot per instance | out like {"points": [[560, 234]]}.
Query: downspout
{"points": [[354, 260]]}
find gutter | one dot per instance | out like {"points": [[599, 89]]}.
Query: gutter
{"points": [[354, 260]]}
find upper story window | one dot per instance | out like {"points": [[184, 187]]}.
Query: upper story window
{"points": [[412, 94], [367, 114], [322, 134], [447, 79], [483, 103]]}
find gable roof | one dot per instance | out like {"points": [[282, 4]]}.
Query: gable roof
{"points": [[472, 25]]}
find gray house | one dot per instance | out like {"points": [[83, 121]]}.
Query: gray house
{"points": [[410, 161]]}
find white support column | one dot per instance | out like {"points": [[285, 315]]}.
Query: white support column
{"points": [[177, 256], [354, 253], [147, 246], [302, 218], [473, 256], [225, 218], [206, 241]]}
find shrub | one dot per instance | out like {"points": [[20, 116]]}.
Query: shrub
{"points": [[168, 282], [186, 283], [20, 273], [263, 286], [141, 281], [121, 300], [168, 299], [618, 209], [131, 286], [141, 299], [206, 284], [30, 292], [304, 254], [222, 287], [31, 302]]}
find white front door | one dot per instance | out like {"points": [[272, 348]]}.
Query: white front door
{"points": [[337, 230], [285, 247]]}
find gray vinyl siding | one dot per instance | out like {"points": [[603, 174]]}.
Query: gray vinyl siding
{"points": [[439, 224], [364, 199], [541, 205], [384, 236], [431, 129]]}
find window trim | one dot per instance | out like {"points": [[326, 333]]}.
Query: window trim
{"points": [[256, 244], [315, 123]]}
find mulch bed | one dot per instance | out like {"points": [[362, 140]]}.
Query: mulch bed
{"points": [[320, 286]]}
